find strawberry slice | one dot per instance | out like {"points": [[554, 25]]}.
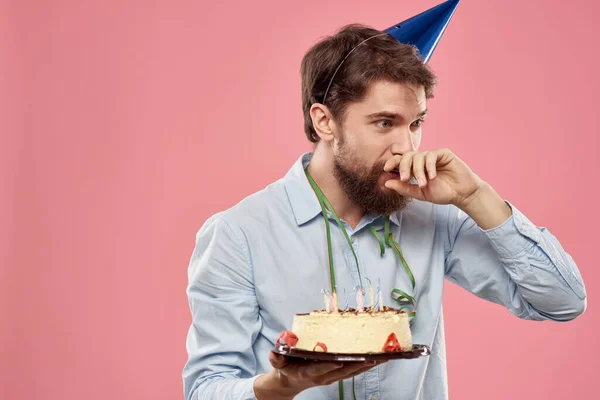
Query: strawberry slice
{"points": [[391, 344], [287, 338], [321, 345]]}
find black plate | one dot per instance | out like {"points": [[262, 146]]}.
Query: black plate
{"points": [[418, 350]]}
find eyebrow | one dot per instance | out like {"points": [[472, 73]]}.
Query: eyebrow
{"points": [[391, 115]]}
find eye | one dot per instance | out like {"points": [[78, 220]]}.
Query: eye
{"points": [[418, 122], [384, 124]]}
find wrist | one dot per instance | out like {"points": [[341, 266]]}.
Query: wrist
{"points": [[473, 200], [486, 207], [274, 385]]}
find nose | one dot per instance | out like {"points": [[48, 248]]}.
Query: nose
{"points": [[404, 141]]}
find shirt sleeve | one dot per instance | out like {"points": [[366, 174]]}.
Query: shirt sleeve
{"points": [[517, 264], [225, 321]]}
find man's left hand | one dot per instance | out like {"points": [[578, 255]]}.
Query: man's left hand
{"points": [[446, 179], [442, 177]]}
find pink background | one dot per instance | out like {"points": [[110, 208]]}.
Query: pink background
{"points": [[125, 124]]}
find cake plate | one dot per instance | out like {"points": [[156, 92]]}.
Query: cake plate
{"points": [[418, 350]]}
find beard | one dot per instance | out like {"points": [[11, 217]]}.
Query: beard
{"points": [[361, 184]]}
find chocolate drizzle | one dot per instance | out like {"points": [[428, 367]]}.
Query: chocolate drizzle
{"points": [[365, 310]]}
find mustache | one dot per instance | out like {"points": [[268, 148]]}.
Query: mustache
{"points": [[361, 184]]}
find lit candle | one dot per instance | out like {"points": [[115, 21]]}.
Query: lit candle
{"points": [[371, 295], [324, 297], [364, 296], [331, 307], [345, 300], [327, 301], [335, 301], [378, 302], [359, 299]]}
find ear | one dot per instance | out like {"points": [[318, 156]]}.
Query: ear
{"points": [[323, 122]]}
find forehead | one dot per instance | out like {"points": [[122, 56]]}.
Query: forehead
{"points": [[393, 97]]}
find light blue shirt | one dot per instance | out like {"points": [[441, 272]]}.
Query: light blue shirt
{"points": [[260, 262]]}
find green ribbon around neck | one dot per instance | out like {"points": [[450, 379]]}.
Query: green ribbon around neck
{"points": [[404, 300]]}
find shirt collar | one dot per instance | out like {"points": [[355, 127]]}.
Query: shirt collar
{"points": [[302, 197]]}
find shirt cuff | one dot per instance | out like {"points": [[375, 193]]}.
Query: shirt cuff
{"points": [[228, 388], [247, 389], [518, 235]]}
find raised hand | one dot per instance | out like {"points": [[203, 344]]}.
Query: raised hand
{"points": [[442, 177]]}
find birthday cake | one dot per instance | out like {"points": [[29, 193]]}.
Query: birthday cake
{"points": [[350, 331]]}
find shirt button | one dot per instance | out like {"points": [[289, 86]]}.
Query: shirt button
{"points": [[524, 227], [373, 397]]}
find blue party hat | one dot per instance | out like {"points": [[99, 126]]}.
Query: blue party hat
{"points": [[425, 30]]}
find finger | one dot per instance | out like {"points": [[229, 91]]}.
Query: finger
{"points": [[277, 360], [444, 157], [418, 168], [392, 163], [349, 371], [405, 188], [322, 368], [405, 166], [430, 164]]}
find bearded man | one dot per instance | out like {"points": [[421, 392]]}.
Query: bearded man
{"points": [[260, 262]]}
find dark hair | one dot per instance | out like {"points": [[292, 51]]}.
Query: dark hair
{"points": [[380, 58]]}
